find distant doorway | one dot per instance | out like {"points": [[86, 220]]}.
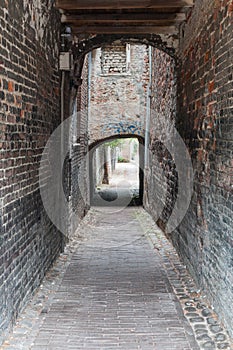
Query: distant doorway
{"points": [[116, 173]]}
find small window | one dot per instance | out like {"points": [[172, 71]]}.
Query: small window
{"points": [[115, 59]]}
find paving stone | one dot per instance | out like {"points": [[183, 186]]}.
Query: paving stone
{"points": [[204, 337], [196, 319], [209, 345], [223, 346], [206, 312], [200, 326], [220, 337], [215, 329], [211, 320], [199, 332], [113, 291], [190, 309]]}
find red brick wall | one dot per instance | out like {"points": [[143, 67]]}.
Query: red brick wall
{"points": [[29, 112], [118, 100], [205, 120]]}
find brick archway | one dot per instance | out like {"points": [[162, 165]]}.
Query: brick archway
{"points": [[166, 43], [117, 130], [96, 144]]}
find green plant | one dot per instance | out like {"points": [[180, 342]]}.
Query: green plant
{"points": [[122, 160], [115, 143]]}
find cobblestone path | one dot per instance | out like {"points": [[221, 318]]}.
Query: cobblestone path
{"points": [[121, 287]]}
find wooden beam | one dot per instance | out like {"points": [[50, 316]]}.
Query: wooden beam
{"points": [[124, 29], [121, 4], [124, 17], [116, 24]]}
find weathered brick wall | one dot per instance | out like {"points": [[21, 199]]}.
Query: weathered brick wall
{"points": [[79, 153], [204, 239], [114, 59], [204, 119], [118, 100], [160, 174], [29, 112]]}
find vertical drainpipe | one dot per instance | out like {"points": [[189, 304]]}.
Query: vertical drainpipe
{"points": [[90, 185], [62, 103], [62, 137], [147, 130], [89, 82]]}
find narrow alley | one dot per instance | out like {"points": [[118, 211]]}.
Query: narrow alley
{"points": [[116, 174]]}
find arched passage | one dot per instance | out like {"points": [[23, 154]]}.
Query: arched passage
{"points": [[110, 116], [30, 111], [92, 167]]}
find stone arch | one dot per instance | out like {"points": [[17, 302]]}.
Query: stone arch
{"points": [[100, 141], [132, 128], [166, 43]]}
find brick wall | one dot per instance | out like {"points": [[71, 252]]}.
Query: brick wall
{"points": [[79, 153], [205, 121], [118, 100], [29, 112], [114, 59], [161, 175]]}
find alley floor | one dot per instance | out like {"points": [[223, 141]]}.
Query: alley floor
{"points": [[118, 285], [123, 186]]}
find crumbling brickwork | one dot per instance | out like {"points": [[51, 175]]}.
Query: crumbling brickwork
{"points": [[114, 59], [79, 152], [29, 112], [160, 174], [118, 100], [205, 121]]}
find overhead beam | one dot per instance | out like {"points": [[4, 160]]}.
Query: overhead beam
{"points": [[121, 4], [124, 17], [124, 29], [116, 24]]}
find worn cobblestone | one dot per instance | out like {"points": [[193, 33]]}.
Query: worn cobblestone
{"points": [[192, 300]]}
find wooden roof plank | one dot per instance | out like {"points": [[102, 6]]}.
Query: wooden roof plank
{"points": [[133, 17], [124, 29], [120, 4]]}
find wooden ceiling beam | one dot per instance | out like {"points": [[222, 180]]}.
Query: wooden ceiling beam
{"points": [[121, 4], [132, 17], [124, 29], [118, 24]]}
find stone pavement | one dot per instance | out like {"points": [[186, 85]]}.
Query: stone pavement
{"points": [[119, 285], [123, 187]]}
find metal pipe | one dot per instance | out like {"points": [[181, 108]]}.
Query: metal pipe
{"points": [[148, 105], [89, 157], [62, 145], [89, 81], [147, 131]]}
